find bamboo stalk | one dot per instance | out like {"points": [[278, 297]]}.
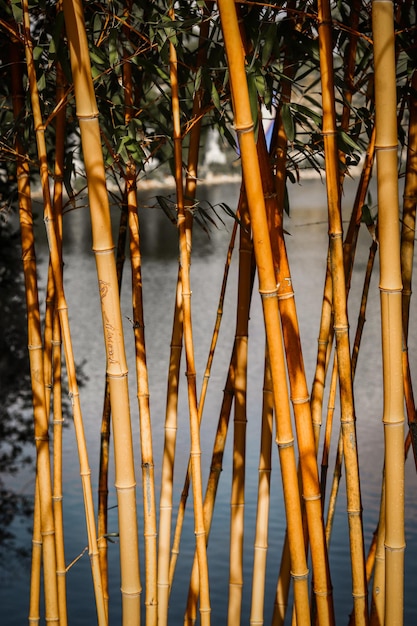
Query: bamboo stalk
{"points": [[112, 324], [237, 500], [105, 430], [189, 349], [296, 372], [268, 290], [165, 568], [142, 381], [148, 481], [219, 443], [36, 563], [407, 254], [391, 315], [262, 513], [354, 506], [35, 347]]}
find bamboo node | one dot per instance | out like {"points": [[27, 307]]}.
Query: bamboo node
{"points": [[285, 444], [269, 293], [341, 329], [131, 594], [86, 472], [286, 296], [103, 251], [323, 594], [124, 487], [395, 548], [329, 133], [269, 196], [34, 347], [389, 291], [312, 498], [335, 235], [300, 400], [300, 576], [245, 128], [41, 438]]}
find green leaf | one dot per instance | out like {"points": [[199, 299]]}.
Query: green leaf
{"points": [[215, 97], [288, 122]]}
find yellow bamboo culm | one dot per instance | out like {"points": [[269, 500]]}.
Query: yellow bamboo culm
{"points": [[268, 291], [341, 327], [391, 304], [40, 413], [195, 447], [103, 247]]}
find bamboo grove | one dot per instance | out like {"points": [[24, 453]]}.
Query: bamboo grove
{"points": [[91, 94]]}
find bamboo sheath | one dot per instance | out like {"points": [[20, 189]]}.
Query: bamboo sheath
{"points": [[354, 506], [195, 450], [109, 296], [35, 347], [391, 313], [268, 290]]}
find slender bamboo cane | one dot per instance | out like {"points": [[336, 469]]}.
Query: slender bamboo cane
{"points": [[36, 564], [164, 565], [354, 505], [189, 349], [407, 253], [148, 481], [142, 382], [105, 430], [237, 501], [58, 419], [297, 378], [40, 414], [220, 438], [378, 588], [283, 586], [107, 277], [391, 317], [262, 513], [58, 422], [268, 290], [63, 313], [355, 353]]}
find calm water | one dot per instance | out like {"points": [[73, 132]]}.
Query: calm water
{"points": [[307, 248]]}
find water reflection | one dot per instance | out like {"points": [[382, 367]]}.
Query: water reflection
{"points": [[307, 247], [16, 423]]}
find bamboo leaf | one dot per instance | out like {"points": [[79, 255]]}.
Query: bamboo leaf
{"points": [[288, 122]]}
